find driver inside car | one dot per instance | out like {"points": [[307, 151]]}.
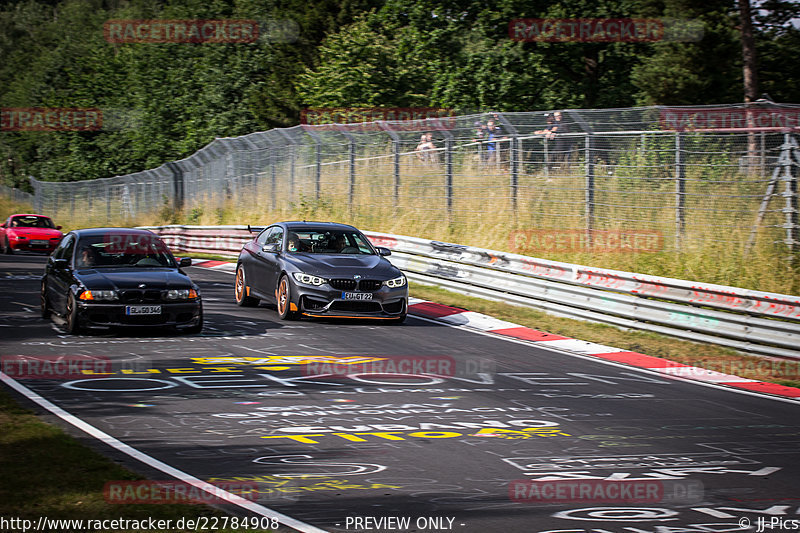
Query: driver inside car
{"points": [[87, 258]]}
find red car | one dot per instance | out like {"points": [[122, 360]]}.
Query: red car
{"points": [[35, 233]]}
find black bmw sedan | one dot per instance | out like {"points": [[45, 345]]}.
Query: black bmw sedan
{"points": [[108, 277], [320, 269]]}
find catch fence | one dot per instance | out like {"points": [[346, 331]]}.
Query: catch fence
{"points": [[16, 195], [726, 174]]}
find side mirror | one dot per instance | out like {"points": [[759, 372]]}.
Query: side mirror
{"points": [[273, 248], [4, 225], [59, 227], [383, 251], [60, 264], [185, 262]]}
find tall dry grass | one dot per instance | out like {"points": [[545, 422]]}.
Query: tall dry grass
{"points": [[720, 210]]}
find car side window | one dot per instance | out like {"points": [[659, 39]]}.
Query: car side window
{"points": [[64, 250], [261, 240], [275, 236]]}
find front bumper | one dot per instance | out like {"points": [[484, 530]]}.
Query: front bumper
{"points": [[113, 314], [33, 245], [326, 301]]}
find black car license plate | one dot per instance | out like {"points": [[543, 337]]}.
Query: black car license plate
{"points": [[357, 296], [143, 310]]}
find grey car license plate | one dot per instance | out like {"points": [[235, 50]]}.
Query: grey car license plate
{"points": [[357, 296], [143, 310]]}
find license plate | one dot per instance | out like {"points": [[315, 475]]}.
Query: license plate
{"points": [[143, 310], [39, 243], [357, 296]]}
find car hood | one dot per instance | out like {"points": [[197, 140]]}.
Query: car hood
{"points": [[35, 233], [131, 278], [334, 266]]}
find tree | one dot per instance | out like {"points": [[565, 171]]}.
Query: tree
{"points": [[749, 61]]}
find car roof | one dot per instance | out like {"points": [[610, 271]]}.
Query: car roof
{"points": [[114, 231], [303, 224], [27, 215]]}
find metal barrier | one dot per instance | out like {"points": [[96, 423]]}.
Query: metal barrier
{"points": [[749, 321]]}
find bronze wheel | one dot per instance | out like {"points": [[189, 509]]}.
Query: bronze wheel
{"points": [[284, 300], [240, 290]]}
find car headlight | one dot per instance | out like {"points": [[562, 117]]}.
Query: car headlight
{"points": [[99, 295], [396, 282], [181, 294], [308, 279]]}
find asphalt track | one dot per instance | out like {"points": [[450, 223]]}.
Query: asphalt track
{"points": [[478, 433]]}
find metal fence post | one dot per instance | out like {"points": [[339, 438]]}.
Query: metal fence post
{"points": [[590, 189], [177, 186], [318, 151], [513, 157], [396, 150], [292, 155], [248, 187], [448, 169], [273, 177], [108, 203], [790, 192], [680, 190], [37, 194], [589, 158], [351, 142]]}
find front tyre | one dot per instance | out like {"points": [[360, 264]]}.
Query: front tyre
{"points": [[71, 325], [285, 299], [45, 311], [7, 247], [399, 320], [240, 290]]}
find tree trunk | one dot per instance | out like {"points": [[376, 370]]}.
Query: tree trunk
{"points": [[748, 53], [750, 77]]}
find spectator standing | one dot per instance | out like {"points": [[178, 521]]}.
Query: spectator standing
{"points": [[425, 147], [554, 131], [562, 143], [492, 131]]}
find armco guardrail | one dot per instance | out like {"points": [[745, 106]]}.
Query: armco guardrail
{"points": [[751, 321]]}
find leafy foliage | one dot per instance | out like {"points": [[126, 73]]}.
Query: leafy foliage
{"points": [[164, 101]]}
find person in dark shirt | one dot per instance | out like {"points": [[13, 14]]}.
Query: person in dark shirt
{"points": [[563, 144], [554, 131]]}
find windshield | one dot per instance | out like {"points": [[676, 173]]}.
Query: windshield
{"points": [[115, 250], [32, 222], [327, 242]]}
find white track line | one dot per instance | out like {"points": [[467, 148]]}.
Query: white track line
{"points": [[155, 463]]}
